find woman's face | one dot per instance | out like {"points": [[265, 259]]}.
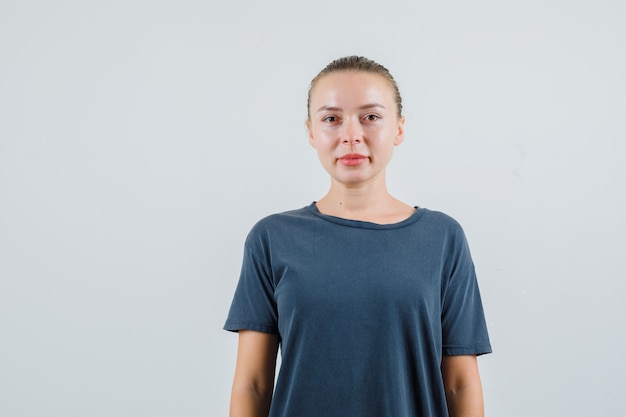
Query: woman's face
{"points": [[353, 125]]}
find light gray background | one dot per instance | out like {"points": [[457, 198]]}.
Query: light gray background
{"points": [[140, 140]]}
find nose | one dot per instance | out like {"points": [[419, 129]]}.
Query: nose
{"points": [[352, 132]]}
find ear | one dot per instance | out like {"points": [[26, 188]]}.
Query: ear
{"points": [[307, 123], [400, 135]]}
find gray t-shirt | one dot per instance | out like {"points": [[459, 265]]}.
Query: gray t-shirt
{"points": [[364, 311]]}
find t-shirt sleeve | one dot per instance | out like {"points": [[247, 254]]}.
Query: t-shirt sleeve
{"points": [[464, 330], [254, 306]]}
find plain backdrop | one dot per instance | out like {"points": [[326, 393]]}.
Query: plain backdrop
{"points": [[140, 141]]}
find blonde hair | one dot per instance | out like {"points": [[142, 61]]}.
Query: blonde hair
{"points": [[361, 64]]}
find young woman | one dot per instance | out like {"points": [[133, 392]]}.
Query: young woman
{"points": [[373, 303]]}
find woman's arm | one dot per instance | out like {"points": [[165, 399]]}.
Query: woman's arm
{"points": [[461, 380], [254, 374]]}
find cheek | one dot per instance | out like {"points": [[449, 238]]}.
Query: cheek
{"points": [[385, 148], [324, 141], [325, 153]]}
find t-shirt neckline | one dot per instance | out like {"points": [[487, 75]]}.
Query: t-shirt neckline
{"points": [[417, 214]]}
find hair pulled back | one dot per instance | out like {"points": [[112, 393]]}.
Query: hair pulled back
{"points": [[361, 64]]}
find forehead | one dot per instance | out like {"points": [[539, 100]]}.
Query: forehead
{"points": [[348, 86]]}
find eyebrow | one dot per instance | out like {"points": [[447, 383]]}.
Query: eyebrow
{"points": [[363, 107]]}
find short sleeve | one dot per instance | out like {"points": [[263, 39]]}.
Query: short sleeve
{"points": [[254, 305], [464, 330]]}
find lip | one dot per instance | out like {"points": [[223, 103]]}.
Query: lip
{"points": [[353, 159]]}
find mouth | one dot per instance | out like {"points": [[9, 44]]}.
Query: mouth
{"points": [[353, 159]]}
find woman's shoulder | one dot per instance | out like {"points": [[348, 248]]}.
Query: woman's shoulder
{"points": [[281, 220], [441, 220], [439, 216], [294, 215]]}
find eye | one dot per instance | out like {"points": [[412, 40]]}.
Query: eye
{"points": [[372, 117], [330, 119]]}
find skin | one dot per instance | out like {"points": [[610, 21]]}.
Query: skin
{"points": [[355, 112], [253, 384], [461, 380], [351, 113]]}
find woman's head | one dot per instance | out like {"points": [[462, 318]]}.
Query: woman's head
{"points": [[358, 64], [354, 120]]}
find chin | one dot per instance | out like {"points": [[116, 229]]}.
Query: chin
{"points": [[351, 180]]}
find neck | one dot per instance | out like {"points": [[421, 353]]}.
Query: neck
{"points": [[355, 200], [366, 203]]}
